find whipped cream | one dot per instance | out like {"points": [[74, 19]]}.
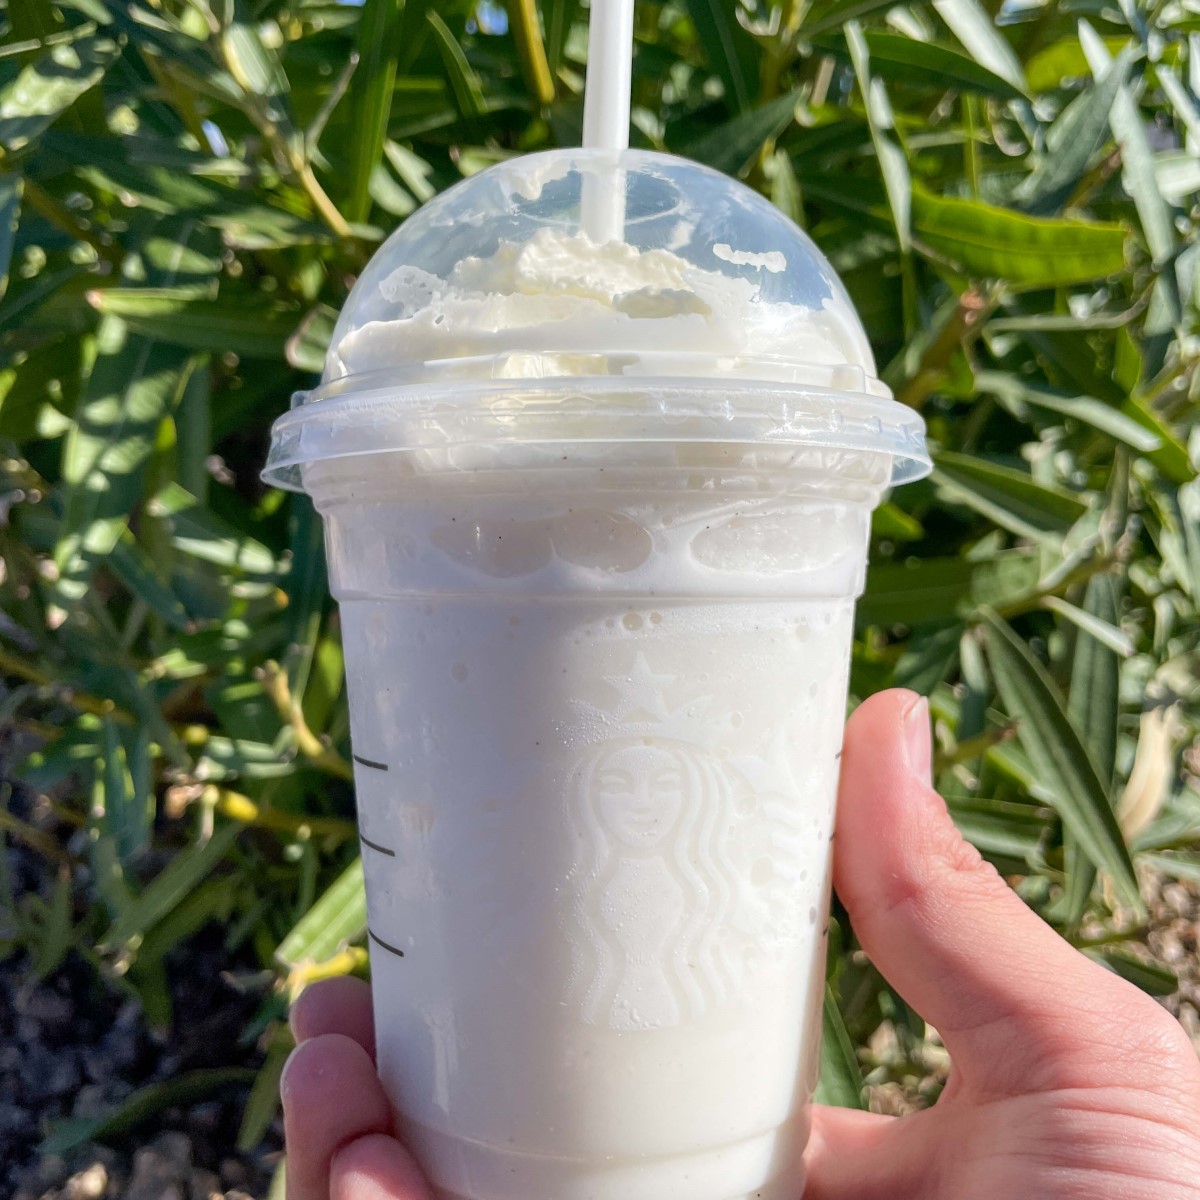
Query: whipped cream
{"points": [[563, 294]]}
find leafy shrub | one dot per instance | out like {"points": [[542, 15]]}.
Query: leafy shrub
{"points": [[188, 189]]}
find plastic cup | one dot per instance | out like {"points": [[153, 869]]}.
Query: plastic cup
{"points": [[597, 552]]}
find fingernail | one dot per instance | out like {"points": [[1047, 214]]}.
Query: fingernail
{"points": [[918, 740]]}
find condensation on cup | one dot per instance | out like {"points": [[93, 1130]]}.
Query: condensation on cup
{"points": [[597, 515]]}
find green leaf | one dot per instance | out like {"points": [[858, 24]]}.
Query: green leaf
{"points": [[1085, 409], [54, 934], [10, 211], [338, 919], [1186, 108], [132, 386], [193, 426], [308, 597], [1072, 142], [893, 165], [182, 1091], [1108, 633], [130, 563], [1138, 174], [841, 1082], [927, 63], [822, 17], [970, 23], [44, 90], [560, 16], [306, 348], [890, 521], [225, 759], [1007, 496], [1063, 765], [197, 531], [1094, 710], [464, 83], [128, 810], [940, 590], [731, 146], [1177, 866], [103, 856], [1023, 250], [1172, 457], [1060, 62], [251, 62], [168, 889], [371, 92], [1007, 832], [729, 49], [1153, 978], [178, 317], [263, 1103]]}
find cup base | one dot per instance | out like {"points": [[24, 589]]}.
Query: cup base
{"points": [[765, 1167]]}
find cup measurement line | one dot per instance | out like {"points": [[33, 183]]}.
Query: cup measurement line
{"points": [[384, 945], [369, 762], [366, 841]]}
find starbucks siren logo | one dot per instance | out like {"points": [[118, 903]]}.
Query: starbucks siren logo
{"points": [[684, 878]]}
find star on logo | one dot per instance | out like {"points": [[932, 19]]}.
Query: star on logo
{"points": [[641, 692]]}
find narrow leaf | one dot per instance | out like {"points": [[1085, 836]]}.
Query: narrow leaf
{"points": [[139, 1106], [970, 23], [1026, 251], [1138, 175], [730, 147], [1012, 391], [172, 885], [197, 531], [1153, 978], [893, 166], [45, 89], [841, 1081], [1065, 770], [178, 317], [130, 389], [337, 919], [371, 91], [895, 56], [1107, 633], [1007, 496], [730, 50], [10, 211], [1185, 106], [1094, 710], [262, 1106], [464, 83], [1071, 143]]}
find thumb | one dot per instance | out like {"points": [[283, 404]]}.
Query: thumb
{"points": [[1018, 1008]]}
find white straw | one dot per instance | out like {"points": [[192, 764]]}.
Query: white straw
{"points": [[606, 115]]}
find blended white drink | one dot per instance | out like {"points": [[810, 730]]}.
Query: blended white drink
{"points": [[596, 527]]}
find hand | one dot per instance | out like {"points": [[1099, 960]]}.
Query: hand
{"points": [[1067, 1083]]}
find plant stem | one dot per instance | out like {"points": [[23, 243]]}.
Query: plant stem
{"points": [[58, 214], [346, 962], [10, 664], [43, 843], [242, 809], [973, 747], [316, 751], [527, 33], [959, 331]]}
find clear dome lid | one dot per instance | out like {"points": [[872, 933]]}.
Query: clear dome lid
{"points": [[588, 290]]}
